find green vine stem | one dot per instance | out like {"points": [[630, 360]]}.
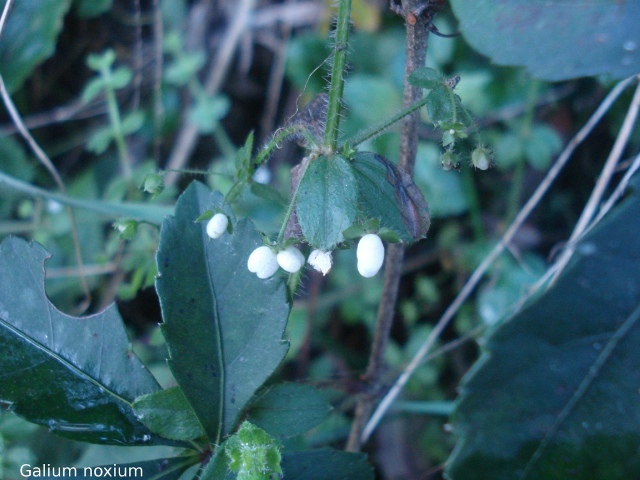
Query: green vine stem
{"points": [[375, 130], [337, 79]]}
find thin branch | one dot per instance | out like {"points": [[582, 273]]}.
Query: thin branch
{"points": [[603, 181], [473, 281], [416, 51]]}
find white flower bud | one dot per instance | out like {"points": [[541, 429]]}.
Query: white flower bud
{"points": [[217, 225], [290, 259], [321, 261], [262, 262], [370, 255]]}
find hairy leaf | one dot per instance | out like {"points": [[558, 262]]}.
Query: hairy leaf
{"points": [[327, 202], [555, 395], [223, 325], [77, 376], [558, 39]]}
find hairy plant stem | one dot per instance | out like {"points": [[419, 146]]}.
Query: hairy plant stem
{"points": [[337, 75], [416, 45]]}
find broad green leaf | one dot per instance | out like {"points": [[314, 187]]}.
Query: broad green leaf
{"points": [[160, 469], [288, 409], [440, 104], [92, 8], [387, 193], [555, 394], [169, 414], [223, 325], [29, 38], [77, 376], [326, 464], [327, 201], [558, 39]]}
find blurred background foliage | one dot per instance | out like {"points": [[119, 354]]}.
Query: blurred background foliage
{"points": [[107, 120]]}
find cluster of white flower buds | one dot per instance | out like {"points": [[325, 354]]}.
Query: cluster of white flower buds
{"points": [[264, 261]]}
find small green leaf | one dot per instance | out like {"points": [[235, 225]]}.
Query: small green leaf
{"points": [[440, 105], [253, 454], [92, 89], [126, 227], [327, 201], [101, 61], [100, 140], [288, 409], [268, 193], [243, 155], [120, 78], [169, 414], [208, 111], [426, 78], [543, 143], [389, 194], [132, 122], [77, 376], [185, 66]]}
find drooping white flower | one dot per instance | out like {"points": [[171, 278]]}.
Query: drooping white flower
{"points": [[321, 261], [370, 255], [290, 259], [262, 262], [217, 225]]}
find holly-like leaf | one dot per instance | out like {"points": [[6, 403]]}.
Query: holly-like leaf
{"points": [[388, 193], [288, 409], [327, 201], [77, 376], [555, 40], [222, 324], [29, 38], [555, 395]]}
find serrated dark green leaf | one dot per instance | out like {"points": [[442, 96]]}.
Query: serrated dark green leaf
{"points": [[169, 414], [555, 40], [389, 194], [440, 105], [223, 325], [77, 376], [326, 464], [29, 38], [288, 409], [555, 395], [426, 78], [161, 469], [327, 201]]}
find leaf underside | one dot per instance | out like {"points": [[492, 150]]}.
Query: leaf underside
{"points": [[388, 193], [223, 325], [77, 376], [555, 395], [555, 40]]}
